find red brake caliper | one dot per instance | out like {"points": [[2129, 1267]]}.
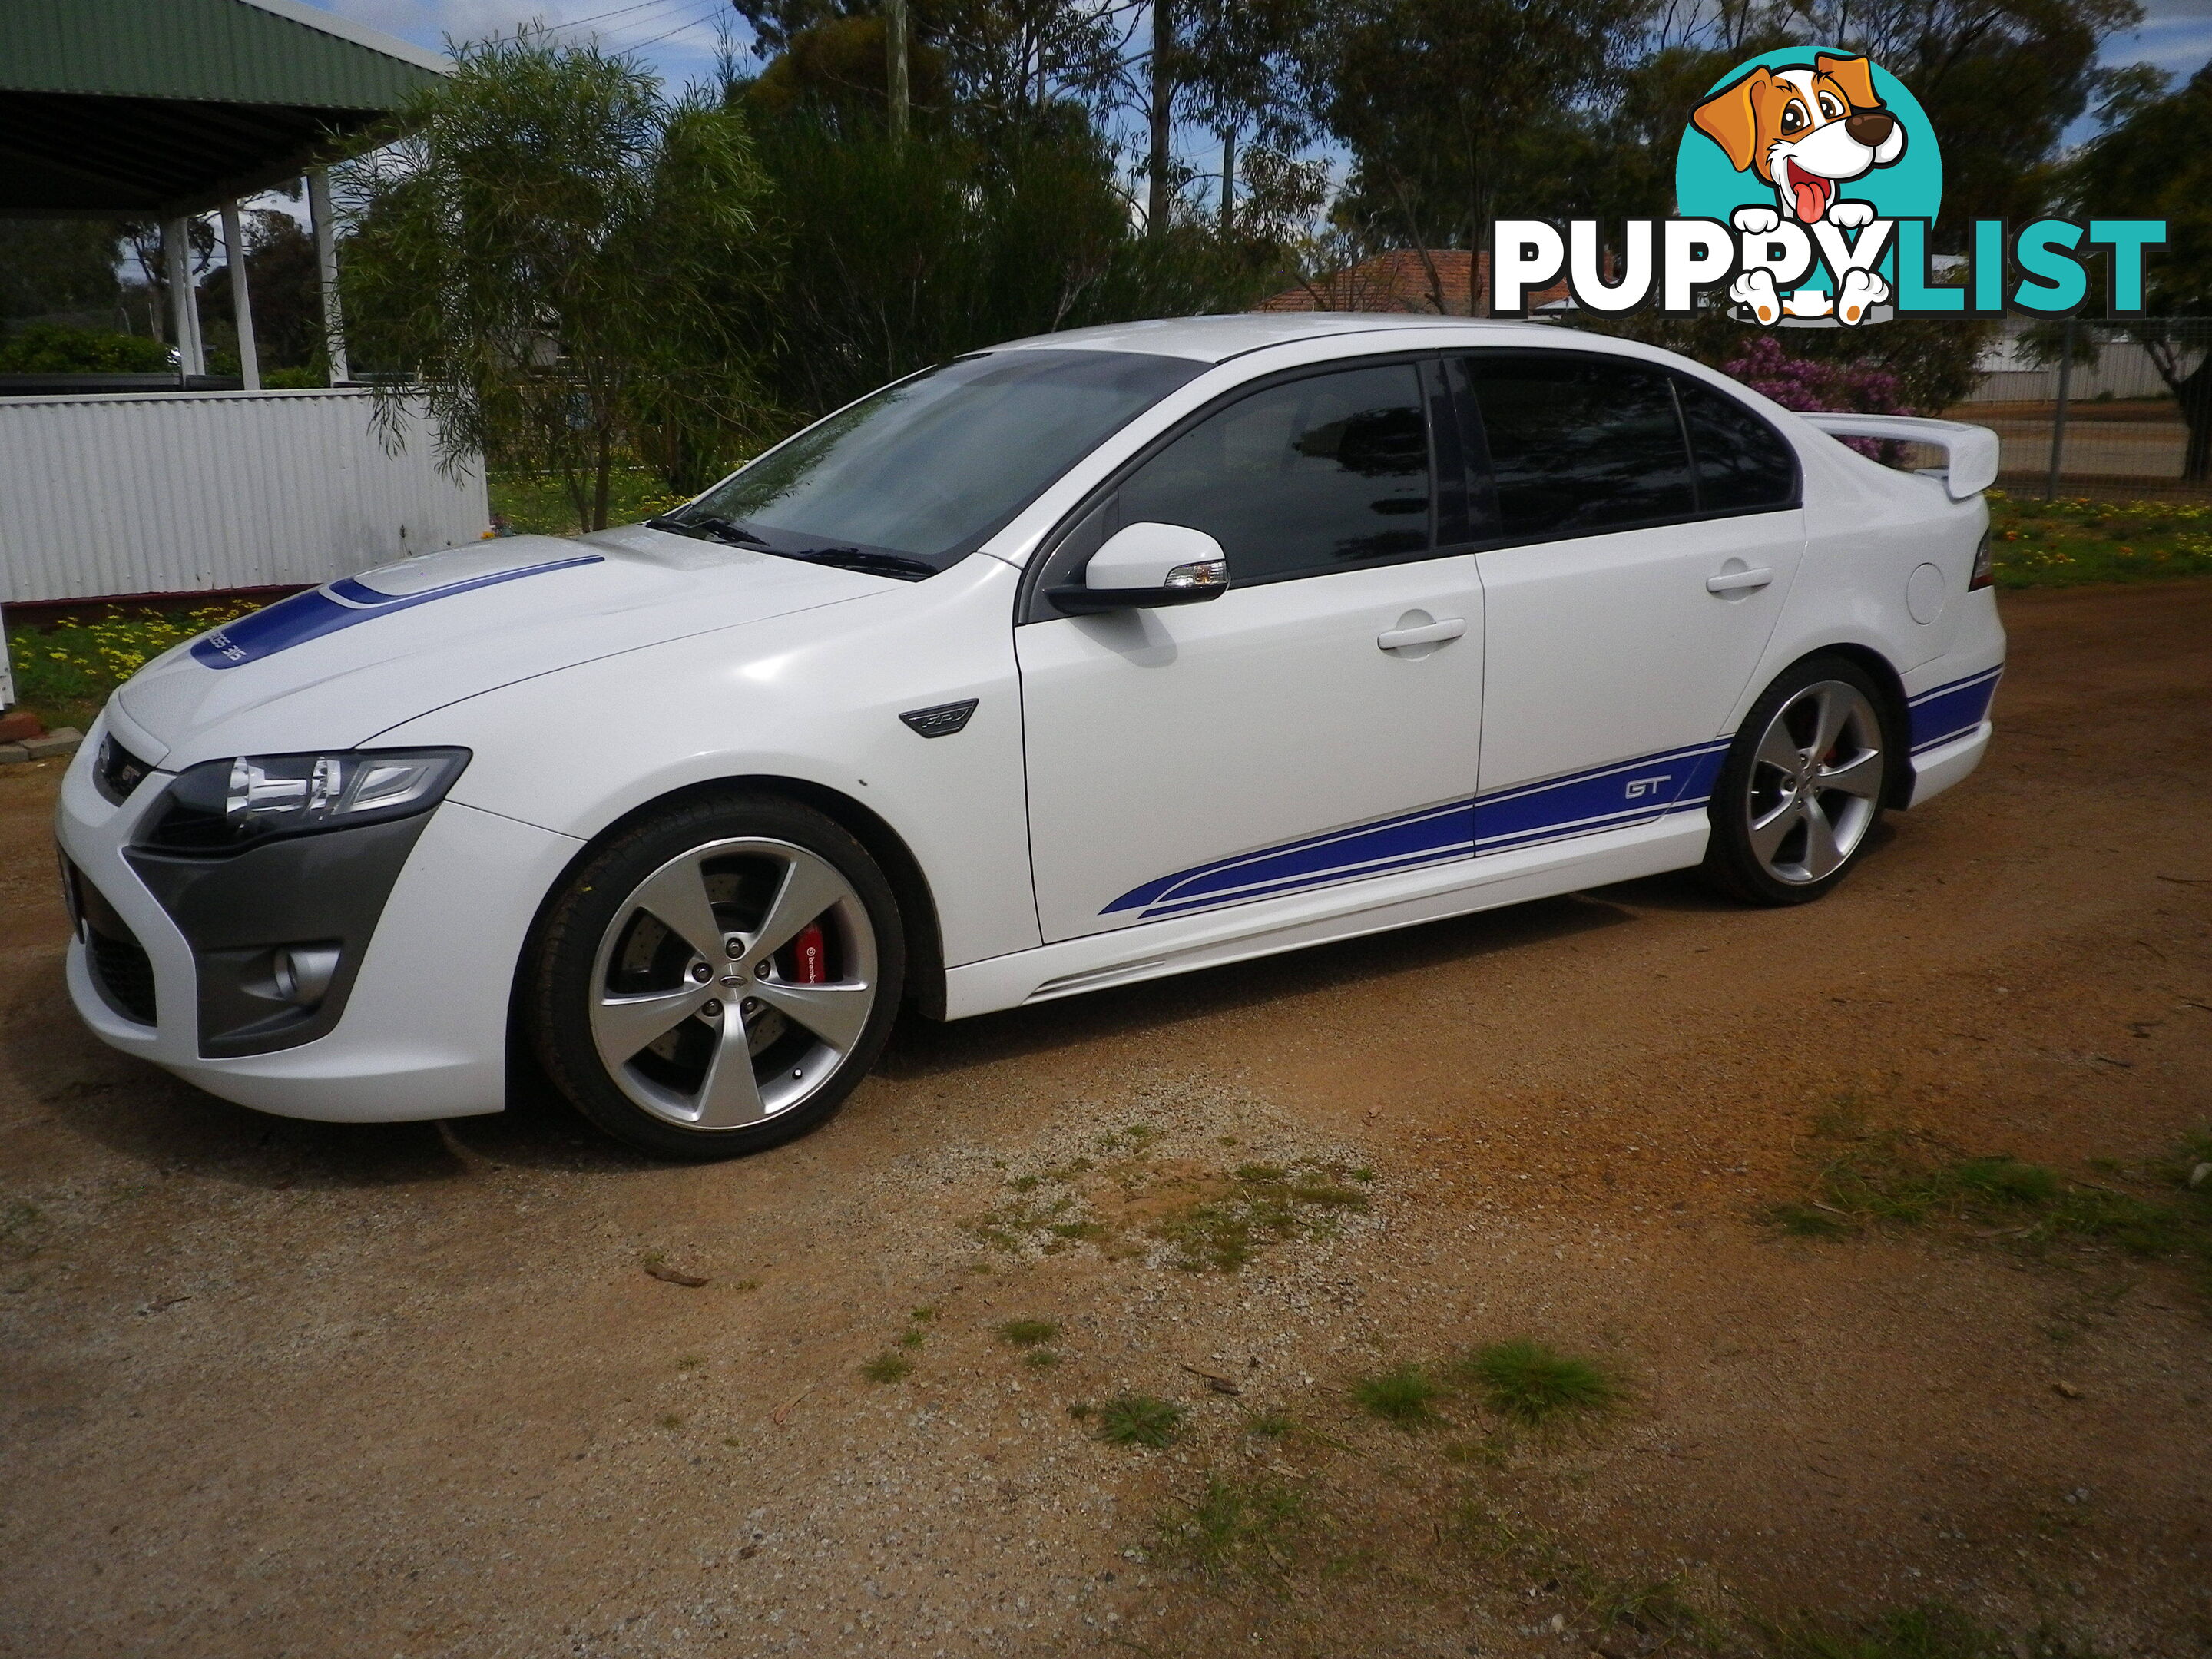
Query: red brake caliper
{"points": [[810, 957]]}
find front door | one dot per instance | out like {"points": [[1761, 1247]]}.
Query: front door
{"points": [[1657, 534], [1283, 737]]}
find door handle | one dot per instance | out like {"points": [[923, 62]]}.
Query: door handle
{"points": [[1435, 633], [1735, 581]]}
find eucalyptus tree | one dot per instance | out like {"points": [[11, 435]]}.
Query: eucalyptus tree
{"points": [[1450, 108], [558, 261]]}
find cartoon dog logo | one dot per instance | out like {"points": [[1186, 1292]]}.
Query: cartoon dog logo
{"points": [[1806, 132]]}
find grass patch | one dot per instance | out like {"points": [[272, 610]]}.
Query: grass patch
{"points": [[1265, 1204], [888, 1368], [2073, 541], [535, 505], [1175, 1211], [1405, 1396], [1934, 1630], [1133, 1419], [1028, 1332], [1889, 1177], [1039, 1358], [64, 670], [1247, 1527], [1529, 1383]]}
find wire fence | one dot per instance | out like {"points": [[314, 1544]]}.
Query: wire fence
{"points": [[2090, 408]]}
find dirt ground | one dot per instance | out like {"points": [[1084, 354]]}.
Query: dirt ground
{"points": [[275, 1387]]}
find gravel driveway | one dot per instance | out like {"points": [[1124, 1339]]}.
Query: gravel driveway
{"points": [[276, 1387]]}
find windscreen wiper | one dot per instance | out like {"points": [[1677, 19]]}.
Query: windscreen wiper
{"points": [[874, 563], [720, 530]]}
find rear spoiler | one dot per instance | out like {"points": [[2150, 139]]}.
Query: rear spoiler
{"points": [[1969, 452]]}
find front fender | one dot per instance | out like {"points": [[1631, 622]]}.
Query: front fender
{"points": [[812, 696]]}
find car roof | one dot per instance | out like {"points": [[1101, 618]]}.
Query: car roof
{"points": [[1216, 339]]}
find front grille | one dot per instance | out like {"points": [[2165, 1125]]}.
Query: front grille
{"points": [[125, 976], [120, 969]]}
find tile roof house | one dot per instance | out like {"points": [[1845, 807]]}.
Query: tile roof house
{"points": [[1433, 281]]}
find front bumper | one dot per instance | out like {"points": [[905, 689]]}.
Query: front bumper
{"points": [[423, 1030]]}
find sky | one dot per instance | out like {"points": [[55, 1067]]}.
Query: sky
{"points": [[676, 37]]}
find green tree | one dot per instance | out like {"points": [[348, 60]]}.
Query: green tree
{"points": [[557, 257], [2151, 162], [49, 265], [1451, 109], [281, 280]]}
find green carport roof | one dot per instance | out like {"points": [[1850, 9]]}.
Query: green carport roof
{"points": [[149, 108]]}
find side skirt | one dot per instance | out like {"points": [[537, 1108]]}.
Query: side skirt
{"points": [[1265, 926]]}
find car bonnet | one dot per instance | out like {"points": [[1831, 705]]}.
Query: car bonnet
{"points": [[334, 664]]}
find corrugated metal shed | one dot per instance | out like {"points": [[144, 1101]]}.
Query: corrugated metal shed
{"points": [[165, 106], [194, 492], [241, 51]]}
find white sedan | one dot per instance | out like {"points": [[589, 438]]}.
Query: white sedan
{"points": [[1087, 659]]}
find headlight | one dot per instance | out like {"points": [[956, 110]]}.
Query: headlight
{"points": [[224, 806]]}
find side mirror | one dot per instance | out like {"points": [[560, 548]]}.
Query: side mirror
{"points": [[1146, 565]]}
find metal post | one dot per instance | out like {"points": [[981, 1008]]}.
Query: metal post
{"points": [[326, 267], [2058, 414], [242, 303], [184, 313]]}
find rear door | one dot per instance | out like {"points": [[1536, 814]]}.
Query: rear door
{"points": [[1283, 737], [1646, 532]]}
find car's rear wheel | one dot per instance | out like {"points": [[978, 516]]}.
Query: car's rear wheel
{"points": [[1803, 787], [719, 978]]}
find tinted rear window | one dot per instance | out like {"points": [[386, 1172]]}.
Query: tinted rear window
{"points": [[1579, 444], [1743, 464]]}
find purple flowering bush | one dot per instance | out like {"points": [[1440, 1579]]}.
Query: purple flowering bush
{"points": [[1810, 383]]}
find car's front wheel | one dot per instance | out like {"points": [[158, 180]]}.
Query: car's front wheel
{"points": [[1803, 787], [719, 978]]}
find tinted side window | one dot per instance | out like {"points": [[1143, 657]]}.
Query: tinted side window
{"points": [[1319, 474], [1580, 444], [1743, 464]]}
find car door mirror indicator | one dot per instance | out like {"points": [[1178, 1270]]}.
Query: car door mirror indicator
{"points": [[1143, 565]]}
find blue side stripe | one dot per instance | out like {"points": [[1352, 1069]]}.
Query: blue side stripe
{"points": [[335, 605], [1580, 804], [1599, 800], [1431, 832], [1615, 796], [1952, 711]]}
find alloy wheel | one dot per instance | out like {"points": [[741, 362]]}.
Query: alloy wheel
{"points": [[1816, 782], [733, 983]]}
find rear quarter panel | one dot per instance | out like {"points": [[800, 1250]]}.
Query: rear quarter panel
{"points": [[1867, 529]]}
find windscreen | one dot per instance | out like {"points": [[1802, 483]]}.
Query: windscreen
{"points": [[932, 466]]}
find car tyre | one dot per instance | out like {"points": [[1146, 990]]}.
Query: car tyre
{"points": [[718, 978], [1803, 785]]}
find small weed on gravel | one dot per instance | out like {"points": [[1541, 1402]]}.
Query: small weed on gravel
{"points": [[1133, 1419], [1245, 1526], [888, 1368], [1528, 1382], [1404, 1396], [1028, 1332]]}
